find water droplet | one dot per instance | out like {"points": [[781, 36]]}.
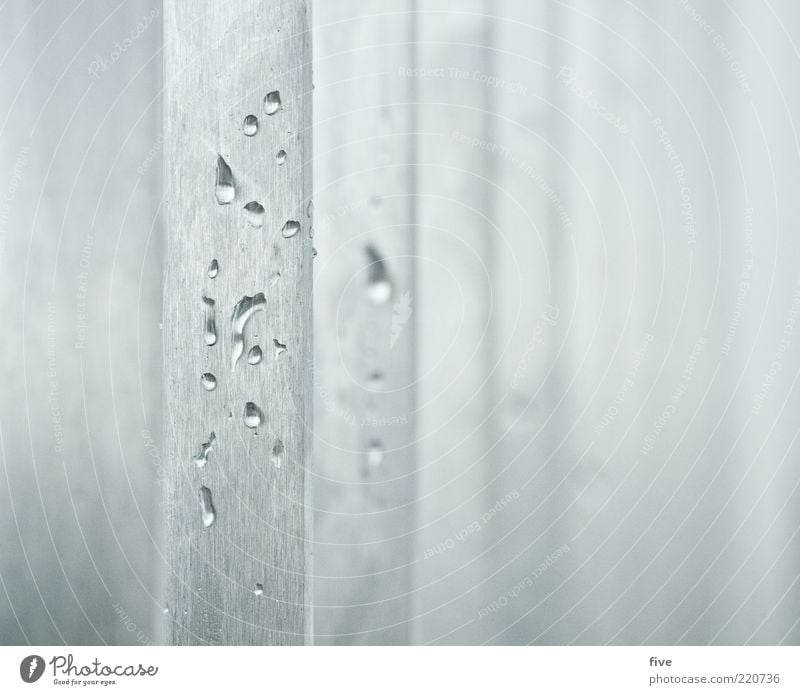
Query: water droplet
{"points": [[224, 191], [209, 381], [210, 332], [277, 454], [313, 252], [280, 157], [273, 279], [379, 288], [375, 454], [255, 213], [279, 347], [207, 511], [250, 125], [213, 269], [310, 208], [165, 610], [259, 590], [290, 229], [201, 459], [252, 415], [244, 309], [272, 102], [255, 354]]}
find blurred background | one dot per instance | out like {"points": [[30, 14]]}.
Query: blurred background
{"points": [[555, 376]]}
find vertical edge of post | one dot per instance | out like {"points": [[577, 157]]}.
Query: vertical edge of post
{"points": [[243, 577]]}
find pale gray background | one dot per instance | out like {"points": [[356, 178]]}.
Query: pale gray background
{"points": [[516, 197]]}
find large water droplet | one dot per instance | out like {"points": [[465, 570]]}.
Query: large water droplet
{"points": [[213, 269], [252, 415], [200, 459], [277, 454], [290, 229], [207, 511], [255, 213], [255, 354], [259, 590], [280, 157], [209, 381], [250, 125], [279, 347], [272, 102], [379, 287], [210, 330], [244, 309], [224, 191]]}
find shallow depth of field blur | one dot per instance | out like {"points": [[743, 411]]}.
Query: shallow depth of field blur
{"points": [[591, 335]]}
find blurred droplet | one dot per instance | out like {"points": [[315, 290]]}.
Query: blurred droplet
{"points": [[379, 287], [375, 454]]}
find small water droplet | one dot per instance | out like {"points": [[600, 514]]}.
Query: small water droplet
{"points": [[273, 279], [255, 354], [259, 590], [310, 208], [210, 331], [207, 511], [255, 213], [272, 102], [290, 229], [250, 125], [280, 157], [375, 454], [277, 454], [201, 459], [224, 191], [213, 269], [209, 381], [244, 309], [379, 287], [279, 347], [252, 415], [313, 252]]}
